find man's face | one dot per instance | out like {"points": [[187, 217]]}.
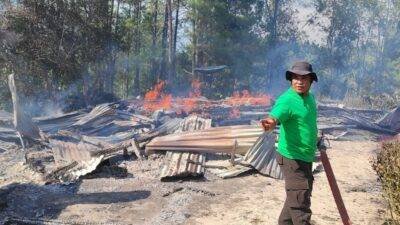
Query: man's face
{"points": [[301, 84]]}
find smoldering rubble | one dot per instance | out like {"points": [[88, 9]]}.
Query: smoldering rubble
{"points": [[209, 144], [74, 144]]}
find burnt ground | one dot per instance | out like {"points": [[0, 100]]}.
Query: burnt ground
{"points": [[128, 191]]}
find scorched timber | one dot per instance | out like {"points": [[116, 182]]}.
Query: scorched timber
{"points": [[232, 139]]}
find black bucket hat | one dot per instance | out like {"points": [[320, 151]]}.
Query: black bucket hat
{"points": [[301, 68]]}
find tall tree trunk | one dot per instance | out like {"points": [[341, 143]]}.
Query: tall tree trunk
{"points": [[128, 64], [163, 69], [272, 16], [154, 30], [274, 32], [126, 80], [105, 13], [175, 39], [273, 42], [194, 42], [385, 36], [116, 29], [170, 41], [112, 69], [113, 32], [137, 46]]}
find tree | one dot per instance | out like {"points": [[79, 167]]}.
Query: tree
{"points": [[137, 39], [125, 47]]}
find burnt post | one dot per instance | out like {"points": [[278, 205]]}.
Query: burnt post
{"points": [[22, 121]]}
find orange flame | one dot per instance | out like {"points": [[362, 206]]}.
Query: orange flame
{"points": [[189, 104], [155, 99], [196, 88], [245, 98]]}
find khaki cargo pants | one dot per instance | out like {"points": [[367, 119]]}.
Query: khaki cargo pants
{"points": [[298, 184]]}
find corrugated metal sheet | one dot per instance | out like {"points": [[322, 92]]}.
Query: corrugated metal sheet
{"points": [[192, 123], [167, 127], [5, 118], [66, 153], [182, 164], [233, 171], [262, 156], [96, 113], [391, 120], [213, 140], [52, 124], [70, 151], [9, 135]]}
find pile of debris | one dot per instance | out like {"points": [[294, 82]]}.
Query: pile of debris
{"points": [[77, 148], [74, 144], [66, 147]]}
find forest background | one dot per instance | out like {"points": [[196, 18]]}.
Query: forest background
{"points": [[68, 54]]}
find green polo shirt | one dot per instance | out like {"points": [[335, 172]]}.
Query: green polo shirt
{"points": [[297, 116]]}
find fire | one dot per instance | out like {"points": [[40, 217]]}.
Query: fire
{"points": [[187, 105], [196, 89], [155, 99], [245, 98]]}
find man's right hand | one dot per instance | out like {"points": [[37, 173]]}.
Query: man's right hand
{"points": [[268, 124]]}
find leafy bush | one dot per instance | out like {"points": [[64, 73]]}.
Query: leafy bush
{"points": [[387, 166]]}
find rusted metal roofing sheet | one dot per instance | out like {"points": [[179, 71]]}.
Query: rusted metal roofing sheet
{"points": [[262, 156], [230, 139], [182, 164]]}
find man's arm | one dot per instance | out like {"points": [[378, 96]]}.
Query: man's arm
{"points": [[268, 123], [279, 114]]}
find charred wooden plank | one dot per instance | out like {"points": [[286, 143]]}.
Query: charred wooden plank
{"points": [[60, 171]]}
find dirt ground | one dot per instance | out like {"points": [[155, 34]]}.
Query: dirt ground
{"points": [[138, 197]]}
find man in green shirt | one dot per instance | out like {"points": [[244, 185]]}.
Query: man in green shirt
{"points": [[296, 113]]}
